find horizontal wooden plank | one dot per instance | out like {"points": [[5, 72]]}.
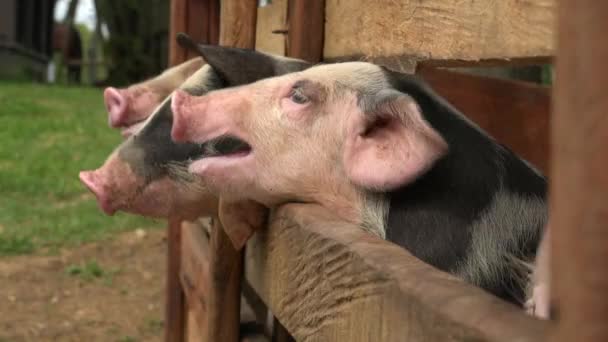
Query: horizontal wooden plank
{"points": [[326, 280], [440, 30], [515, 113]]}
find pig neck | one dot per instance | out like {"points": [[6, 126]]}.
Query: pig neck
{"points": [[335, 193], [434, 217]]}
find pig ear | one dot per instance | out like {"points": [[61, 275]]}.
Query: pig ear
{"points": [[241, 219], [241, 66], [389, 143]]}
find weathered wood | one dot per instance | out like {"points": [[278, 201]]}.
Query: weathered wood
{"points": [[194, 273], [225, 270], [178, 23], [579, 192], [327, 280], [515, 113], [271, 18], [306, 22], [439, 30], [174, 309], [280, 334], [238, 22], [194, 332], [197, 18]]}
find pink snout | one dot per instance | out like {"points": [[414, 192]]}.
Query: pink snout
{"points": [[96, 185], [116, 104], [200, 118], [181, 106]]}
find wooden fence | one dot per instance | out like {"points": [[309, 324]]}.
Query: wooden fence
{"points": [[325, 280]]}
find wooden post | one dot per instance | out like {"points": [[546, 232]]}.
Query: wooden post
{"points": [[226, 269], [238, 22], [178, 24], [306, 19], [174, 307], [579, 192], [237, 28], [198, 18]]}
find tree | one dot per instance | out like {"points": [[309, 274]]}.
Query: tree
{"points": [[137, 46]]}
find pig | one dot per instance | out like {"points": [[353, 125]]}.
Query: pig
{"points": [[128, 108], [139, 176], [380, 149]]}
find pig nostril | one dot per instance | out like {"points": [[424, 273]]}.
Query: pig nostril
{"points": [[89, 180]]}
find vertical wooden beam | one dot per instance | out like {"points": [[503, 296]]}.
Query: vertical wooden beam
{"points": [[238, 22], [214, 22], [175, 324], [579, 192], [306, 20], [199, 19], [178, 23], [226, 270], [237, 28]]}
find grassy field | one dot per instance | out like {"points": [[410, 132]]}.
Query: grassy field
{"points": [[47, 135]]}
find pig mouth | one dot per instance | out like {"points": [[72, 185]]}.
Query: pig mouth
{"points": [[132, 128], [225, 146]]}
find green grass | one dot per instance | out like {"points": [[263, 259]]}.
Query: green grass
{"points": [[47, 135]]}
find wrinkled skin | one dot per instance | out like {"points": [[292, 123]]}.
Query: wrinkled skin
{"points": [[128, 108], [145, 174]]}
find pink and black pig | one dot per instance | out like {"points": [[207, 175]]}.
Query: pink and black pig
{"points": [[140, 175], [380, 149], [129, 107]]}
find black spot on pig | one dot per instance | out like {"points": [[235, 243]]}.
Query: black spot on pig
{"points": [[478, 212]]}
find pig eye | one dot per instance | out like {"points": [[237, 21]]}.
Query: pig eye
{"points": [[297, 97]]}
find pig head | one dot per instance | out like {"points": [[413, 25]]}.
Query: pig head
{"points": [[321, 135], [379, 149], [129, 107], [147, 173]]}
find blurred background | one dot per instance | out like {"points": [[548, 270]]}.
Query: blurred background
{"points": [[67, 271]]}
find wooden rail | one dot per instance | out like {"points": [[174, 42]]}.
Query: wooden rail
{"points": [[327, 280]]}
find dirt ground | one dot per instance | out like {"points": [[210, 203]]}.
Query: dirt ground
{"points": [[56, 298]]}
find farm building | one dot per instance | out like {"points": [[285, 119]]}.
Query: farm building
{"points": [[26, 29]]}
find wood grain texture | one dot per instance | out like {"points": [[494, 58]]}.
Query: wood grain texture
{"points": [[197, 18], [515, 113], [177, 23], [225, 271], [194, 273], [270, 18], [238, 23], [327, 280], [579, 192], [440, 30], [175, 322], [306, 23]]}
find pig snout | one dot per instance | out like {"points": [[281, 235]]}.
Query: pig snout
{"points": [[116, 104], [96, 185], [183, 112], [201, 118], [114, 184]]}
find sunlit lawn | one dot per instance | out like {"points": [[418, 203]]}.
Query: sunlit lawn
{"points": [[48, 134]]}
